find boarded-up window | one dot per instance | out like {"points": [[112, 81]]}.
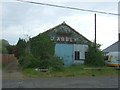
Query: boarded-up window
{"points": [[77, 55]]}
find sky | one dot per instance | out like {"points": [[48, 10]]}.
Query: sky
{"points": [[20, 19]]}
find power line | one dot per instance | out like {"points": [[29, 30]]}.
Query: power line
{"points": [[73, 8]]}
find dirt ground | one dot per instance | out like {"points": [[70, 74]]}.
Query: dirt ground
{"points": [[12, 71]]}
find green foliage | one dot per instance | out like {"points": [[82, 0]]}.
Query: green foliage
{"points": [[20, 48], [4, 42], [10, 49], [3, 50], [41, 53], [56, 64], [42, 46], [5, 47], [28, 61], [94, 56], [52, 62], [73, 71]]}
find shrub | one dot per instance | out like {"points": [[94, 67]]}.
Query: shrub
{"points": [[94, 56], [40, 55], [56, 63], [52, 62], [42, 46], [28, 61]]}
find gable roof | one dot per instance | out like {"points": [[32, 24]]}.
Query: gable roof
{"points": [[64, 24], [113, 48]]}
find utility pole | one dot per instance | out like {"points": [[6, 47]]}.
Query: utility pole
{"points": [[95, 30]]}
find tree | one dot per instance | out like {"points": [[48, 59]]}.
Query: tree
{"points": [[94, 56], [20, 48], [10, 49], [3, 50], [4, 44], [42, 46]]}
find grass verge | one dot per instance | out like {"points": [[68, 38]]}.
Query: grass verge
{"points": [[73, 71]]}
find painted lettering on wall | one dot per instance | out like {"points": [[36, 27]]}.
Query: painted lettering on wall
{"points": [[64, 39]]}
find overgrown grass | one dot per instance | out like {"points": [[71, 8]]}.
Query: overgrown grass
{"points": [[73, 71]]}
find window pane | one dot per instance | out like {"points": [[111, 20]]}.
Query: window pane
{"points": [[77, 55]]}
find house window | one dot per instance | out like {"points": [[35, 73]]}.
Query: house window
{"points": [[77, 55], [106, 57], [86, 54]]}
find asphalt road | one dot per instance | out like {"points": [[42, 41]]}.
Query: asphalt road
{"points": [[76, 82]]}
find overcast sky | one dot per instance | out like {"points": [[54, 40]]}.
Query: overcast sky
{"points": [[21, 18]]}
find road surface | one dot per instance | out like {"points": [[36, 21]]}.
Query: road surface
{"points": [[76, 82]]}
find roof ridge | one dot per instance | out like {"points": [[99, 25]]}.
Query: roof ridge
{"points": [[69, 27], [110, 45]]}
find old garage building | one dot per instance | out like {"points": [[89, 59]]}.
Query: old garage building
{"points": [[70, 46]]}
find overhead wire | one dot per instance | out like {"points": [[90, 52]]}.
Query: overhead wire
{"points": [[73, 8]]}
